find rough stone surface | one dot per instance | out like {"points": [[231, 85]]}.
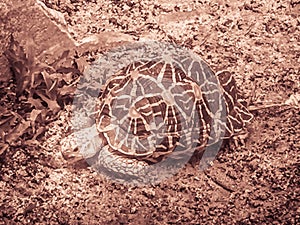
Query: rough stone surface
{"points": [[27, 21]]}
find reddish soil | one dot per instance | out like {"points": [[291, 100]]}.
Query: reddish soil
{"points": [[255, 183]]}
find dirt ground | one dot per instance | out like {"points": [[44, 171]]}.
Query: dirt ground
{"points": [[255, 183]]}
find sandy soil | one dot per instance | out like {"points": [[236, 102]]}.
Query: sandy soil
{"points": [[258, 183]]}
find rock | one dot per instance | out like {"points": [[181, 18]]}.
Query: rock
{"points": [[32, 28]]}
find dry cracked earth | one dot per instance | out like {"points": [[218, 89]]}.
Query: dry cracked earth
{"points": [[254, 183]]}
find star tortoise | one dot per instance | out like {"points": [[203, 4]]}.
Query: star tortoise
{"points": [[154, 113]]}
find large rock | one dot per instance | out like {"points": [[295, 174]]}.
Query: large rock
{"points": [[44, 33], [30, 26]]}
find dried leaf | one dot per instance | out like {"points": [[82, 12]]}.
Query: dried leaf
{"points": [[5, 119], [8, 119], [47, 79], [68, 78], [52, 104], [33, 116], [3, 148], [67, 90], [81, 64], [36, 103], [52, 83], [39, 131], [19, 64], [18, 131], [53, 87], [67, 70], [60, 60]]}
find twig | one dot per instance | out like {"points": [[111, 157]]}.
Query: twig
{"points": [[219, 183]]}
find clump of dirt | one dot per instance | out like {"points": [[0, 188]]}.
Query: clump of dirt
{"points": [[257, 183]]}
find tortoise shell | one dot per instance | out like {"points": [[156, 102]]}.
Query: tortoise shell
{"points": [[150, 108], [158, 104]]}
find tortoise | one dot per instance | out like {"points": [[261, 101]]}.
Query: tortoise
{"points": [[154, 113]]}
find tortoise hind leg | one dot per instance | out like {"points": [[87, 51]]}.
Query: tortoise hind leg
{"points": [[238, 115]]}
